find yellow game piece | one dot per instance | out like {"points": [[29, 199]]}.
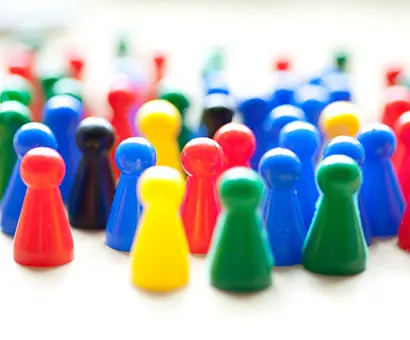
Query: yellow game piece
{"points": [[340, 119], [160, 122], [159, 256]]}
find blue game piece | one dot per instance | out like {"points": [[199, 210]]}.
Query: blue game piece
{"points": [[382, 195], [63, 114], [304, 140], [133, 156], [312, 99], [277, 119], [254, 112], [338, 85], [215, 82], [29, 136], [281, 169], [351, 147], [285, 87]]}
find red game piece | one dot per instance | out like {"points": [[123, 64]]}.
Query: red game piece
{"points": [[397, 101], [403, 239], [76, 65], [43, 237], [392, 75], [159, 61], [282, 64], [402, 155], [201, 159], [238, 144]]}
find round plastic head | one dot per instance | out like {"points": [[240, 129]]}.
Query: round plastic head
{"points": [[240, 188], [300, 137], [340, 119], [68, 86], [17, 88], [95, 134], [254, 110], [393, 73], [280, 168], [159, 118], [13, 112], [345, 145], [76, 63], [280, 116], [312, 99], [339, 175], [33, 135], [162, 186], [378, 141], [282, 64], [42, 168], [120, 94], [63, 111], [202, 157], [134, 155], [237, 142], [396, 102], [174, 96], [403, 129], [341, 60]]}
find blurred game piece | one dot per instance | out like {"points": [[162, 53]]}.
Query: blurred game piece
{"points": [[281, 168], [396, 102], [159, 257], [201, 159], [214, 61], [123, 48], [159, 63], [402, 155], [29, 136], [304, 140], [48, 77], [238, 144], [13, 115], [351, 147], [62, 114], [16, 88], [133, 156], [393, 74], [382, 196], [282, 64], [254, 111], [160, 122], [341, 61], [240, 258], [335, 244], [312, 99], [285, 86], [68, 86], [43, 236], [338, 85], [76, 65], [93, 189], [277, 120]]}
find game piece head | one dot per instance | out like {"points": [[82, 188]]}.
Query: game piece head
{"points": [[240, 188], [159, 59], [312, 99], [338, 175], [68, 86], [338, 84], [63, 111], [163, 186], [175, 97], [159, 118], [345, 145], [341, 60], [123, 46], [33, 135], [282, 64], [18, 89], [134, 155], [95, 134], [340, 119], [396, 102], [301, 137], [280, 168], [76, 64], [42, 168], [378, 141], [237, 141], [202, 157], [403, 129], [393, 74], [254, 109], [280, 116], [13, 112], [120, 94], [49, 76]]}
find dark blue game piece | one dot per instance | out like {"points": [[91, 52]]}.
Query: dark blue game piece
{"points": [[254, 112], [304, 140], [312, 99], [382, 195], [339, 87], [281, 168], [93, 188], [133, 156], [62, 114], [29, 136], [285, 87], [277, 119], [351, 147]]}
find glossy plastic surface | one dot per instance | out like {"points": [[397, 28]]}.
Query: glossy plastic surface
{"points": [[396, 102], [16, 88], [312, 99], [68, 86], [284, 89]]}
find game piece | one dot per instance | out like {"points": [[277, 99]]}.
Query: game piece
{"points": [[159, 67], [392, 75], [277, 119], [16, 88], [285, 87], [160, 122], [159, 257], [382, 196], [240, 258], [13, 115], [282, 64], [62, 115], [216, 82], [340, 119], [281, 169], [68, 86], [218, 110], [351, 147], [48, 77], [133, 156], [238, 144], [312, 99], [43, 236], [201, 159], [254, 112], [76, 65], [214, 61], [401, 158], [93, 189], [338, 85], [29, 136], [341, 59], [304, 140], [335, 244], [396, 102]]}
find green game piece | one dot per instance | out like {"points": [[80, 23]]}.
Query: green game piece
{"points": [[123, 46], [240, 257], [16, 88], [13, 115], [341, 61], [48, 78], [215, 61], [335, 243], [68, 86]]}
